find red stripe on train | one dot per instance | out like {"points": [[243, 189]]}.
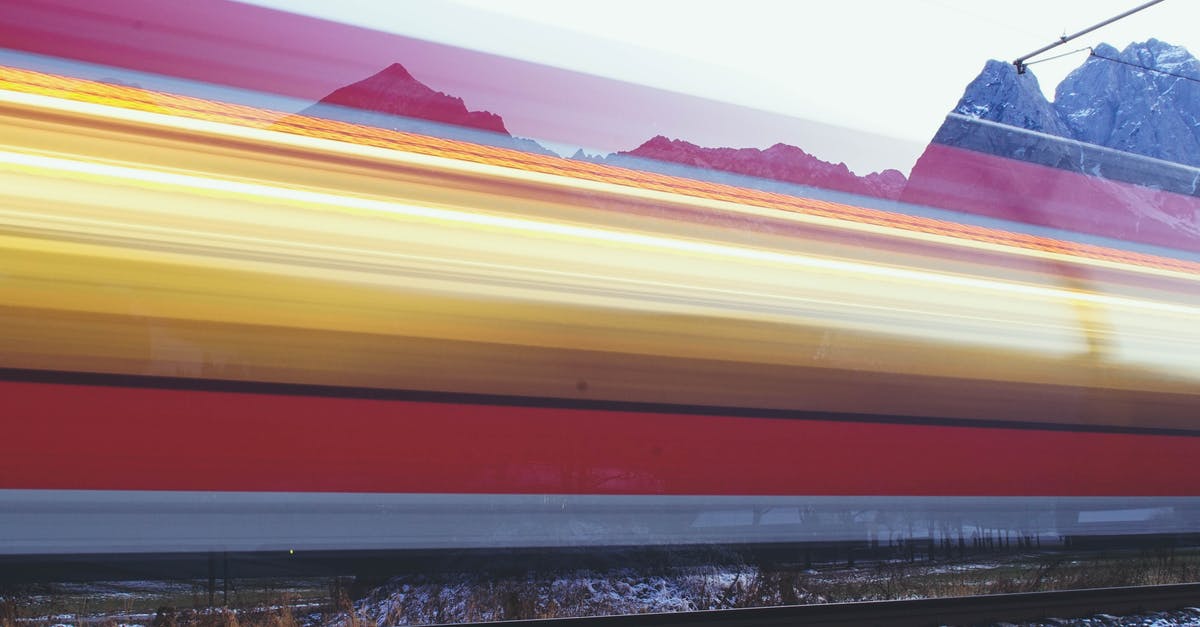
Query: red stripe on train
{"points": [[59, 436]]}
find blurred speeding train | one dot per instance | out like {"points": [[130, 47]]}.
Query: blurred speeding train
{"points": [[227, 330]]}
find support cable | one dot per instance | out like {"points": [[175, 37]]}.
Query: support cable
{"points": [[1020, 63]]}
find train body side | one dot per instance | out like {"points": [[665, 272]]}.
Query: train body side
{"points": [[235, 336]]}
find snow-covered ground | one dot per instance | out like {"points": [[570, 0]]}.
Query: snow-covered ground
{"points": [[1189, 617], [628, 588], [578, 593]]}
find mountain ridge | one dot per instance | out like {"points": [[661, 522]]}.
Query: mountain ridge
{"points": [[393, 98], [394, 91], [1115, 154], [779, 162]]}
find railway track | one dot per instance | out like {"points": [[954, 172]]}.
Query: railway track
{"points": [[970, 610]]}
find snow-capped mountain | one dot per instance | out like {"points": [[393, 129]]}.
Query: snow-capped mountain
{"points": [[1114, 155], [1115, 104], [1121, 106], [1001, 95]]}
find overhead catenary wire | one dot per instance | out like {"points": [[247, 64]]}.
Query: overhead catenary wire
{"points": [[1093, 54], [1065, 54], [1020, 63], [1144, 67]]}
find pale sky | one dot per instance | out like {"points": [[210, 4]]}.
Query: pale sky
{"points": [[892, 68]]}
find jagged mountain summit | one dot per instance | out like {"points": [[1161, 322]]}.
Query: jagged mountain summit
{"points": [[1114, 155], [395, 92], [780, 162], [393, 98], [1116, 104], [1121, 106], [999, 94]]}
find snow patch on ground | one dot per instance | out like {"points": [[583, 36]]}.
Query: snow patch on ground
{"points": [[1189, 617], [580, 593]]}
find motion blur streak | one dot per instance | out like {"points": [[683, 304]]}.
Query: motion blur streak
{"points": [[152, 234], [30, 82], [224, 328], [178, 183]]}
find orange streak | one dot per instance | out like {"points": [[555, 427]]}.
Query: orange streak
{"points": [[27, 81]]}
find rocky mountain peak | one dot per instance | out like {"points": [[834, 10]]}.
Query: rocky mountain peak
{"points": [[1082, 168], [999, 94], [394, 91], [780, 162], [1147, 104], [394, 72]]}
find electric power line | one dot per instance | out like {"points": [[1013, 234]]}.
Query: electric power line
{"points": [[1143, 67], [1021, 62], [1065, 54], [1092, 53]]}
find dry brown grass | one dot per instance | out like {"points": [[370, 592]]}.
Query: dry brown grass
{"points": [[898, 580], [8, 613]]}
